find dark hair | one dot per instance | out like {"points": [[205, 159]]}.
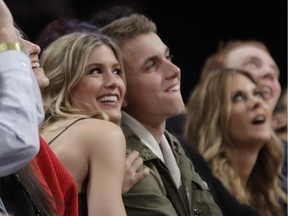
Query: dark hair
{"points": [[61, 27], [23, 194], [36, 191], [114, 12]]}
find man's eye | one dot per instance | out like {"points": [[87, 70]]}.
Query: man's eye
{"points": [[252, 64], [150, 65]]}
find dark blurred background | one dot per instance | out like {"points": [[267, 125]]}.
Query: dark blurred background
{"points": [[192, 29]]}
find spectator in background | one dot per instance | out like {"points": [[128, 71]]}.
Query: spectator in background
{"points": [[63, 26], [254, 57], [60, 27], [279, 123], [112, 13], [279, 118], [229, 122], [250, 55]]}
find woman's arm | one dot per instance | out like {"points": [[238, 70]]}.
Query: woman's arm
{"points": [[107, 165]]}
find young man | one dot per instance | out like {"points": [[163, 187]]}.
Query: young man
{"points": [[153, 95]]}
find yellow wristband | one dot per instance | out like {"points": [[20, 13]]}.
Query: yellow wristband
{"points": [[10, 46]]}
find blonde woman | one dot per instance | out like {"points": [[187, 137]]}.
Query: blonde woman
{"points": [[87, 87], [229, 123], [254, 57]]}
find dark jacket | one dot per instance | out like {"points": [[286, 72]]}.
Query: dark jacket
{"points": [[157, 193], [15, 198], [228, 203]]}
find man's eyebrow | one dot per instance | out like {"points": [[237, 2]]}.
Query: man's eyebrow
{"points": [[150, 58]]}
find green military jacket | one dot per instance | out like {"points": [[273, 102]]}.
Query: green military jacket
{"points": [[157, 194]]}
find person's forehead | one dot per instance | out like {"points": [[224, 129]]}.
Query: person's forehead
{"points": [[245, 52], [145, 45], [249, 50], [239, 79]]}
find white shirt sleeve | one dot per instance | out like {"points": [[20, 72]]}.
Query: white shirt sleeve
{"points": [[21, 112]]}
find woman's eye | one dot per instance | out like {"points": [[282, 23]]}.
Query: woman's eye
{"points": [[259, 94], [117, 71], [237, 97], [95, 71]]}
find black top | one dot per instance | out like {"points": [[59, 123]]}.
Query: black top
{"points": [[82, 201], [15, 198], [226, 201]]}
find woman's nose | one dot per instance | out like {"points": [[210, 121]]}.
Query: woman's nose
{"points": [[111, 81], [255, 101]]}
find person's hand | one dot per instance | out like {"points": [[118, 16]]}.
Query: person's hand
{"points": [[134, 171], [7, 30]]}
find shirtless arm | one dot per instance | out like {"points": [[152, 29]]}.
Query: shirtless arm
{"points": [[107, 165]]}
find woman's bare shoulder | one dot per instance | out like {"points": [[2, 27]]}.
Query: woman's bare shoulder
{"points": [[101, 131]]}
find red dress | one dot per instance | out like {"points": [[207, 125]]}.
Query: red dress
{"points": [[57, 179]]}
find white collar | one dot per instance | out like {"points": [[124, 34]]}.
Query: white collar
{"points": [[148, 140], [144, 135]]}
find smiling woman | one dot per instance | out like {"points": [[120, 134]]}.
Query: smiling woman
{"points": [[229, 123], [87, 83]]}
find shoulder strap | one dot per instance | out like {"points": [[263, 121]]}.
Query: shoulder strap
{"points": [[2, 207], [66, 129]]}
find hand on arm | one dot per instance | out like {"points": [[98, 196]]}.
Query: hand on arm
{"points": [[134, 171]]}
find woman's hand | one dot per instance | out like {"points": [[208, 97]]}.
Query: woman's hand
{"points": [[134, 171]]}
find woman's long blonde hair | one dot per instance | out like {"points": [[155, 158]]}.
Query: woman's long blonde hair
{"points": [[207, 129], [64, 63]]}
